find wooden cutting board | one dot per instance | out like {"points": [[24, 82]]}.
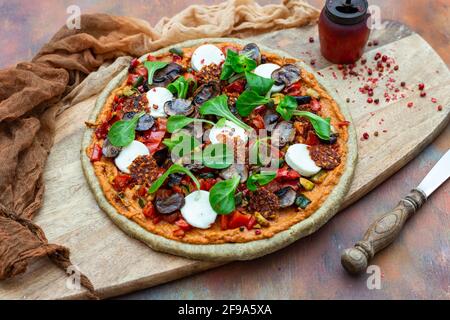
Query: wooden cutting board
{"points": [[117, 264]]}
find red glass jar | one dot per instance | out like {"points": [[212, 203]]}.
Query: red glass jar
{"points": [[343, 30]]}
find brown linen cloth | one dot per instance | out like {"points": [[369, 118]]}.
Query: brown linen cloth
{"points": [[31, 93]]}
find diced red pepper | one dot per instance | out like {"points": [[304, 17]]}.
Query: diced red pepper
{"points": [[142, 71], [176, 58], [121, 181], [287, 174], [223, 219], [149, 210], [161, 124], [312, 139], [151, 58], [294, 89], [343, 124], [102, 131], [237, 86], [238, 219], [96, 154], [183, 224], [142, 192], [315, 105], [134, 63], [251, 223], [132, 78], [188, 76], [232, 48], [156, 219], [153, 139], [257, 122], [260, 110], [207, 184]]}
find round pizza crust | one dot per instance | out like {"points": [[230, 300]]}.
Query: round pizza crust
{"points": [[226, 251]]}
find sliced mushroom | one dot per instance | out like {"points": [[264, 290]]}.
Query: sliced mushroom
{"points": [[169, 204], [252, 51], [179, 106], [286, 75], [286, 197], [144, 123], [206, 92], [160, 156], [109, 150], [166, 75], [282, 134], [270, 120], [234, 169]]}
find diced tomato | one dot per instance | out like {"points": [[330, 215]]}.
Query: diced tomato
{"points": [[315, 105], [153, 139], [287, 174], [188, 76], [142, 192], [179, 233], [251, 222], [294, 89], [207, 184], [156, 219], [290, 183], [142, 71], [161, 124], [232, 48], [176, 58], [223, 219], [257, 122], [102, 131], [343, 124], [134, 63], [312, 139], [260, 110], [237, 86], [149, 210], [96, 154], [170, 218], [237, 219], [121, 181], [151, 58], [132, 78], [183, 224]]}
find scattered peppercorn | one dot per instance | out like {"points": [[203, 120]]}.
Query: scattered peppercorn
{"points": [[410, 104], [369, 44], [313, 62], [423, 94], [439, 108], [377, 56], [396, 68], [369, 100], [257, 232], [375, 133], [377, 101], [241, 229], [348, 100], [421, 86], [311, 39], [384, 58], [365, 136], [434, 100], [403, 83], [363, 61]]}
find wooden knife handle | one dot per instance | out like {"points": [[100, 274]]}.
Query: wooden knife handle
{"points": [[381, 233]]}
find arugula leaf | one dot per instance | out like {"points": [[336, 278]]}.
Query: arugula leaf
{"points": [[248, 101], [321, 126], [180, 143], [221, 195], [175, 168], [288, 108], [179, 121], [152, 67], [218, 106], [255, 150], [258, 84], [260, 179], [180, 87], [217, 156], [236, 63], [122, 132]]}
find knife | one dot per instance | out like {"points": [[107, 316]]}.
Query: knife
{"points": [[385, 229]]}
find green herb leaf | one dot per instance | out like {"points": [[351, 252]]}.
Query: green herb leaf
{"points": [[221, 195], [178, 122], [218, 106], [152, 67], [217, 156], [260, 179], [122, 132], [180, 87], [286, 107], [175, 168], [321, 126], [258, 84], [236, 63], [248, 101], [181, 144]]}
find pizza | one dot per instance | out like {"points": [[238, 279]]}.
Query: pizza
{"points": [[219, 149]]}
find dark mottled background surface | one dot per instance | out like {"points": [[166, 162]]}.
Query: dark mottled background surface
{"points": [[416, 266]]}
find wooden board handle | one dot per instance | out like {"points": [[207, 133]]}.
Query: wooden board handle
{"points": [[381, 233]]}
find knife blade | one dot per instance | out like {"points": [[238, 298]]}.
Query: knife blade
{"points": [[383, 231], [437, 176]]}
